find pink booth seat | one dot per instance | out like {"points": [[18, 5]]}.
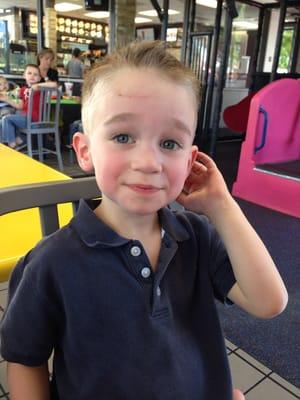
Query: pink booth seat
{"points": [[269, 167]]}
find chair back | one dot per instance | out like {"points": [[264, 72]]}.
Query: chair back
{"points": [[46, 196], [48, 100]]}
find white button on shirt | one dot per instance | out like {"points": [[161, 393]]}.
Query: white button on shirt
{"points": [[135, 251], [145, 272]]}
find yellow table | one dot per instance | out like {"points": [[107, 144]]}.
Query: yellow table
{"points": [[20, 231]]}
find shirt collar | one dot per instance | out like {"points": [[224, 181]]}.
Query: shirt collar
{"points": [[93, 232]]}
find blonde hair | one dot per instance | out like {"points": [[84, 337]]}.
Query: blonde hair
{"points": [[149, 54], [4, 82]]}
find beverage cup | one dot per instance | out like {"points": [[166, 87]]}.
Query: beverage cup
{"points": [[69, 88]]}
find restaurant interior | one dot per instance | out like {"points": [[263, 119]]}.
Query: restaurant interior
{"points": [[263, 366]]}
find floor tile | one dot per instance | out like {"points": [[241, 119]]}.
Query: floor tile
{"points": [[230, 345], [243, 375], [285, 384], [269, 390], [262, 368], [3, 285]]}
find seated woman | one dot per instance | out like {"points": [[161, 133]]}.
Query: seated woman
{"points": [[49, 75]]}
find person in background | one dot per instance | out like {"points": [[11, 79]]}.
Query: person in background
{"points": [[125, 293], [49, 75], [5, 108], [11, 123], [75, 66]]}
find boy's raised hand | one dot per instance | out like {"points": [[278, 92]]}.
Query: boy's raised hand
{"points": [[204, 189], [238, 395]]}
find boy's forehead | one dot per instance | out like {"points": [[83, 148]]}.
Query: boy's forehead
{"points": [[32, 69], [145, 83]]}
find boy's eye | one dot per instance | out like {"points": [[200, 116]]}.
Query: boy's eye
{"points": [[170, 145], [123, 138]]}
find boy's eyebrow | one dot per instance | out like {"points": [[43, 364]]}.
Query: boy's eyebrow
{"points": [[127, 116]]}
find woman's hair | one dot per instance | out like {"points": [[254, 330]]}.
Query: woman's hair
{"points": [[139, 55], [4, 82], [44, 52]]}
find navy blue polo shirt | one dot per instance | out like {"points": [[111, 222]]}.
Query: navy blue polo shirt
{"points": [[118, 330]]}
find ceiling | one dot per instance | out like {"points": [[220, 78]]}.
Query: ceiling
{"points": [[203, 13]]}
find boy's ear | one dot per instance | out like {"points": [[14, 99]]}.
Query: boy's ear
{"points": [[81, 147]]}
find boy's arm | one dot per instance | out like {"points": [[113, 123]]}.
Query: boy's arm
{"points": [[259, 289], [28, 383]]}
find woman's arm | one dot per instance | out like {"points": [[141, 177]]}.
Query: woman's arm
{"points": [[28, 383], [49, 84]]}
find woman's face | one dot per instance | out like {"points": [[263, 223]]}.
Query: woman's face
{"points": [[46, 60]]}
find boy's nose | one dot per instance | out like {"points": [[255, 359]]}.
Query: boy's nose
{"points": [[147, 160]]}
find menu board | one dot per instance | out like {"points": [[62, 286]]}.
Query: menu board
{"points": [[84, 30], [79, 28]]}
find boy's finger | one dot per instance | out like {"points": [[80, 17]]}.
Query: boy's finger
{"points": [[205, 159]]}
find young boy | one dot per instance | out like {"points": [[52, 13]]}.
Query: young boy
{"points": [[11, 123], [125, 294]]}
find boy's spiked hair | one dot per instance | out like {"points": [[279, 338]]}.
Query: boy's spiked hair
{"points": [[148, 54]]}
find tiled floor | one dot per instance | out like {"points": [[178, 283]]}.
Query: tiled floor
{"points": [[254, 379]]}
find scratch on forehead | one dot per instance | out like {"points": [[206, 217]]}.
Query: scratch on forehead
{"points": [[133, 93]]}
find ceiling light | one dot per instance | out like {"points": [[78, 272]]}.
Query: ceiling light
{"points": [[207, 3], [153, 13], [98, 14], [141, 20], [245, 25], [64, 7]]}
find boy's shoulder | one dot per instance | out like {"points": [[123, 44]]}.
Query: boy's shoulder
{"points": [[68, 239], [55, 246]]}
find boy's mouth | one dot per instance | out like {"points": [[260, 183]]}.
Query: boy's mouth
{"points": [[147, 189]]}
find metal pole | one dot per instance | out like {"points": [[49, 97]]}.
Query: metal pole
{"points": [[264, 37], [40, 31], [296, 48], [253, 66], [112, 25], [211, 77], [230, 14], [278, 39], [164, 27], [185, 34]]}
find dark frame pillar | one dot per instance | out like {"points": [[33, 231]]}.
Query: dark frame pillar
{"points": [[278, 39]]}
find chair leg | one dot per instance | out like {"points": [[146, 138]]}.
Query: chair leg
{"points": [[40, 147], [58, 152], [29, 145]]}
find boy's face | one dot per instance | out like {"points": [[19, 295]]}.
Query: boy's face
{"points": [[32, 75], [141, 141]]}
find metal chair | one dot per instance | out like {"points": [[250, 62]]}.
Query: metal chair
{"points": [[47, 197], [47, 123]]}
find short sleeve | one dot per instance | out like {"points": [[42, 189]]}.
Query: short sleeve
{"points": [[28, 324], [220, 268]]}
